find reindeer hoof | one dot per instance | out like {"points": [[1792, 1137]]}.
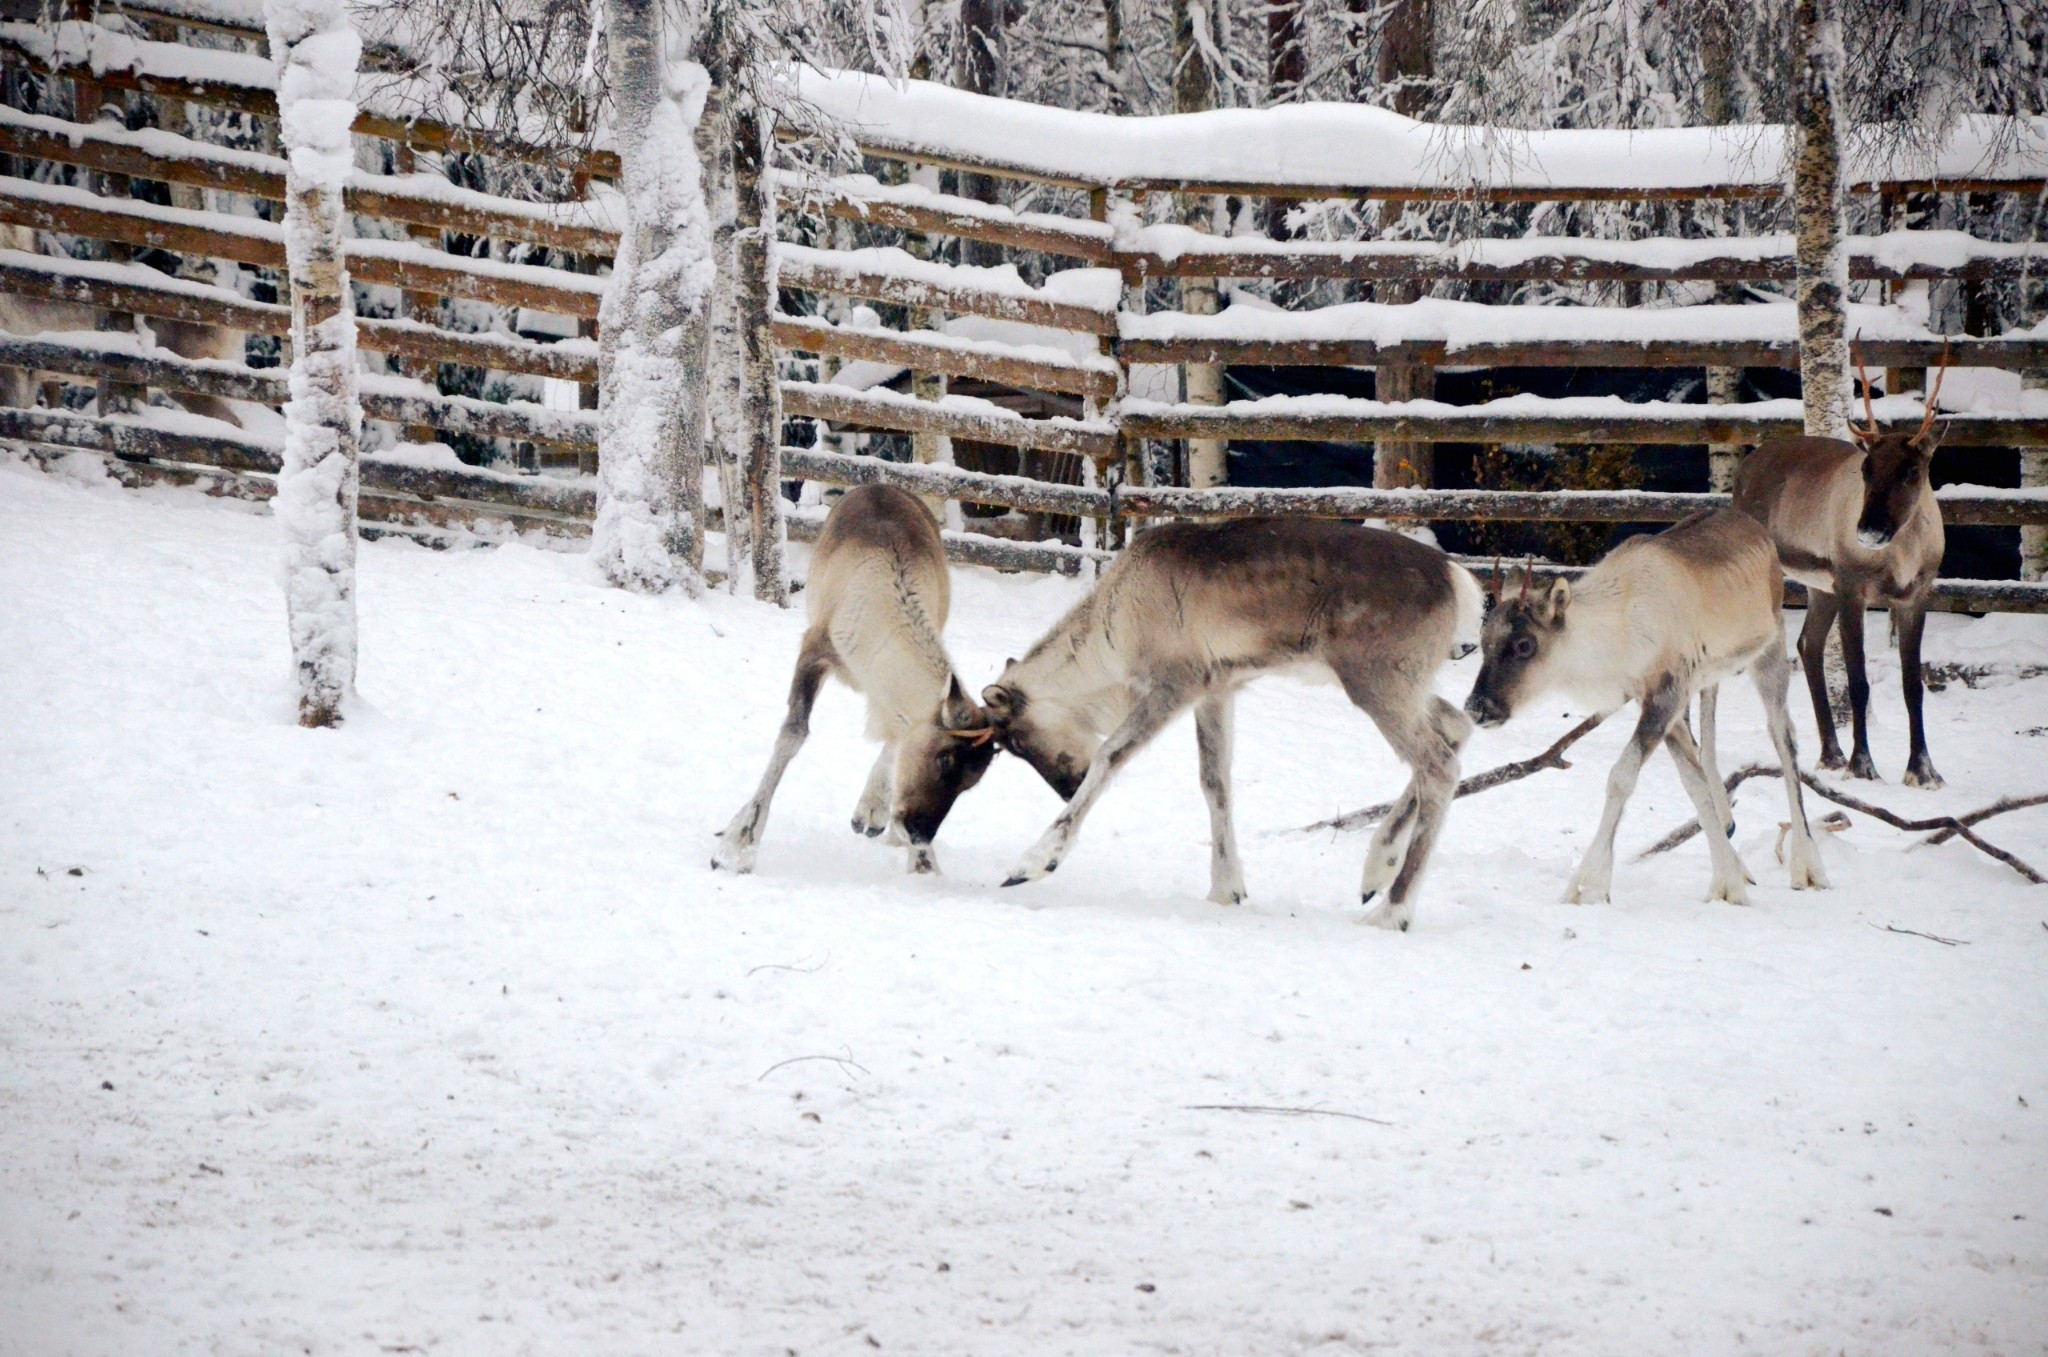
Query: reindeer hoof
{"points": [[1235, 897], [1390, 916], [1924, 777], [1862, 767], [737, 859], [1831, 761]]}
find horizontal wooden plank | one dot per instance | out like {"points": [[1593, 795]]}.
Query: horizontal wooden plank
{"points": [[423, 134], [976, 487], [1714, 424], [805, 334], [246, 240], [1316, 260], [1502, 506], [884, 409], [2013, 354], [390, 197], [973, 548], [937, 214], [229, 449], [816, 271]]}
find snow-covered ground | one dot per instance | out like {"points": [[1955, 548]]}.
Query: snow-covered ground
{"points": [[436, 1033]]}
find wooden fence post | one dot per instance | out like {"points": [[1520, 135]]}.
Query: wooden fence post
{"points": [[2034, 476], [760, 382], [316, 52]]}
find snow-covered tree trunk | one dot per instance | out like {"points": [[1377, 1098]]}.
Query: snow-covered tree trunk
{"points": [[760, 386], [654, 324], [316, 51], [725, 432], [1822, 265]]}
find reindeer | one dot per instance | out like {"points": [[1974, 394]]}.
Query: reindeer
{"points": [[1856, 522], [1190, 613], [1661, 618], [27, 316], [878, 597]]}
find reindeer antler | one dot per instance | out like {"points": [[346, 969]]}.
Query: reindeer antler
{"points": [[1934, 409], [1528, 574], [1498, 578], [1870, 429]]}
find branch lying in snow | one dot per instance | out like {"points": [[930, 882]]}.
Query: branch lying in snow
{"points": [[842, 1061], [1283, 1111], [1931, 937], [1949, 826], [1478, 782]]}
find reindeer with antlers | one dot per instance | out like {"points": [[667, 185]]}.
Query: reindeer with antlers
{"points": [[1661, 618], [878, 596], [1856, 523]]}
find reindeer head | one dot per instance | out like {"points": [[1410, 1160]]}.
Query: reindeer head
{"points": [[1040, 733], [1517, 644], [1895, 465], [938, 761]]}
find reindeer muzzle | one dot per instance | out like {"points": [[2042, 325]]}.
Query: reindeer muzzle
{"points": [[1873, 540]]}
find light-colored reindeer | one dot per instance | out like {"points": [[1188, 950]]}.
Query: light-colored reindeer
{"points": [[1660, 619], [877, 600], [1856, 523], [1190, 613], [26, 317]]}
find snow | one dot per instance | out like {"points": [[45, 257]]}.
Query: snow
{"points": [[1314, 145], [865, 188], [1460, 324], [437, 1032], [1098, 289]]}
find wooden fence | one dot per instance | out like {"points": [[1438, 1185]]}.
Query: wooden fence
{"points": [[1051, 376]]}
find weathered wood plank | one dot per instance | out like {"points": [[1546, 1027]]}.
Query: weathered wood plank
{"points": [[2014, 354], [807, 335], [887, 410], [816, 274], [1015, 492], [1714, 424]]}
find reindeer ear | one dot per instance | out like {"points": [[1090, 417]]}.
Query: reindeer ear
{"points": [[1000, 701], [1556, 599]]}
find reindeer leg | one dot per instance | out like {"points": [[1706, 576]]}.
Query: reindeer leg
{"points": [[1730, 876], [1860, 764], [1912, 620], [740, 842], [1591, 882], [1821, 608], [1710, 706], [1389, 848], [1431, 749], [871, 815], [1772, 676], [1212, 742], [1159, 704]]}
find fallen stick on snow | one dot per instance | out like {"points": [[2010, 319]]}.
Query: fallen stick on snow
{"points": [[841, 1061], [1478, 782], [1283, 1111], [1949, 826], [1931, 937]]}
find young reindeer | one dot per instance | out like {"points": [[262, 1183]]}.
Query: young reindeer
{"points": [[877, 600], [1855, 523], [1661, 618], [1190, 613]]}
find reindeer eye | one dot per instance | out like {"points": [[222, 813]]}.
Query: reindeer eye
{"points": [[1523, 647]]}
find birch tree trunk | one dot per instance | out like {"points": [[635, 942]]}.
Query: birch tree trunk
{"points": [[760, 383], [316, 52], [654, 323], [725, 432], [1822, 266]]}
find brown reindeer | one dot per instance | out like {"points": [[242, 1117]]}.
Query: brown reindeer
{"points": [[1660, 619], [877, 597], [1856, 523], [1190, 613]]}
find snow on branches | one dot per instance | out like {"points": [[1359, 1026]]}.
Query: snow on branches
{"points": [[317, 52]]}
